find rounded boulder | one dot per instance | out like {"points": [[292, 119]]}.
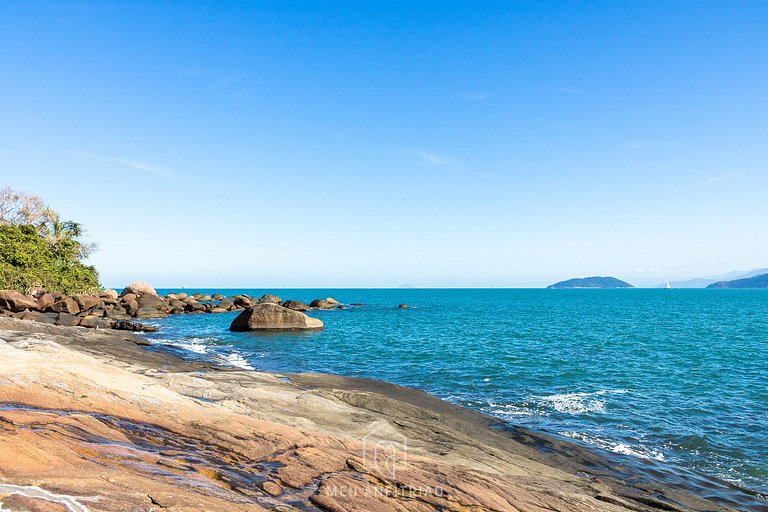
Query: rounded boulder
{"points": [[273, 317]]}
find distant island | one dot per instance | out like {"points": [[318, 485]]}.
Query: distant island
{"points": [[592, 282], [703, 282], [760, 281]]}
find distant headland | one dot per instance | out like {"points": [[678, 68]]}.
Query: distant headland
{"points": [[760, 281], [592, 282]]}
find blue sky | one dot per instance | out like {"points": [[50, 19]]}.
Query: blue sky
{"points": [[298, 144]]}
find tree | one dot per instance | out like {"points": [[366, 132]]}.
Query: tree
{"points": [[37, 248], [19, 209]]}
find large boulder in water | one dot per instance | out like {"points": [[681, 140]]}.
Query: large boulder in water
{"points": [[269, 298], [139, 288], [273, 317], [328, 303], [296, 305]]}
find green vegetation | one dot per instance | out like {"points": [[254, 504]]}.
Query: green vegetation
{"points": [[592, 282], [760, 281], [37, 248]]}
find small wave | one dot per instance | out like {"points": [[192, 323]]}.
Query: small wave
{"points": [[503, 411], [640, 451], [236, 360], [196, 345], [579, 403]]}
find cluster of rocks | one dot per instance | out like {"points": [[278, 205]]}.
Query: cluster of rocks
{"points": [[139, 301]]}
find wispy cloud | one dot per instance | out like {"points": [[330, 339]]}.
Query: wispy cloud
{"points": [[476, 96], [566, 90], [446, 163], [135, 164], [715, 179]]}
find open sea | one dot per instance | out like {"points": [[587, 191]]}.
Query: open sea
{"points": [[675, 376]]}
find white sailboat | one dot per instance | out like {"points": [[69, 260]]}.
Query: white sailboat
{"points": [[669, 286]]}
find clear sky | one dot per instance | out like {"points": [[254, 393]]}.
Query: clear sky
{"points": [[340, 144]]}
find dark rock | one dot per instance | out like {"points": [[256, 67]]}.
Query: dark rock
{"points": [[67, 320], [129, 297], [242, 302], [324, 303], [35, 316], [114, 313], [176, 311], [86, 302], [149, 312], [268, 298], [272, 317], [296, 305], [217, 296], [12, 300], [403, 306], [225, 304], [44, 301], [99, 311], [176, 303], [37, 292], [195, 307], [66, 305], [149, 301], [357, 304], [131, 307], [95, 322], [127, 325]]}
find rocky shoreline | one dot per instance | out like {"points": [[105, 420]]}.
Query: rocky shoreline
{"points": [[90, 420], [139, 301]]}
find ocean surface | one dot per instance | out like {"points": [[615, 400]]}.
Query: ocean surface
{"points": [[676, 376]]}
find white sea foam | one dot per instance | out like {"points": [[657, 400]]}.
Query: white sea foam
{"points": [[236, 360], [579, 403], [507, 411], [640, 451], [196, 345]]}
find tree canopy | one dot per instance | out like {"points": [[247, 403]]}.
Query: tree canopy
{"points": [[38, 248]]}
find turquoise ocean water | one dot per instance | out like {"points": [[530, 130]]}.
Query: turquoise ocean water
{"points": [[676, 376]]}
